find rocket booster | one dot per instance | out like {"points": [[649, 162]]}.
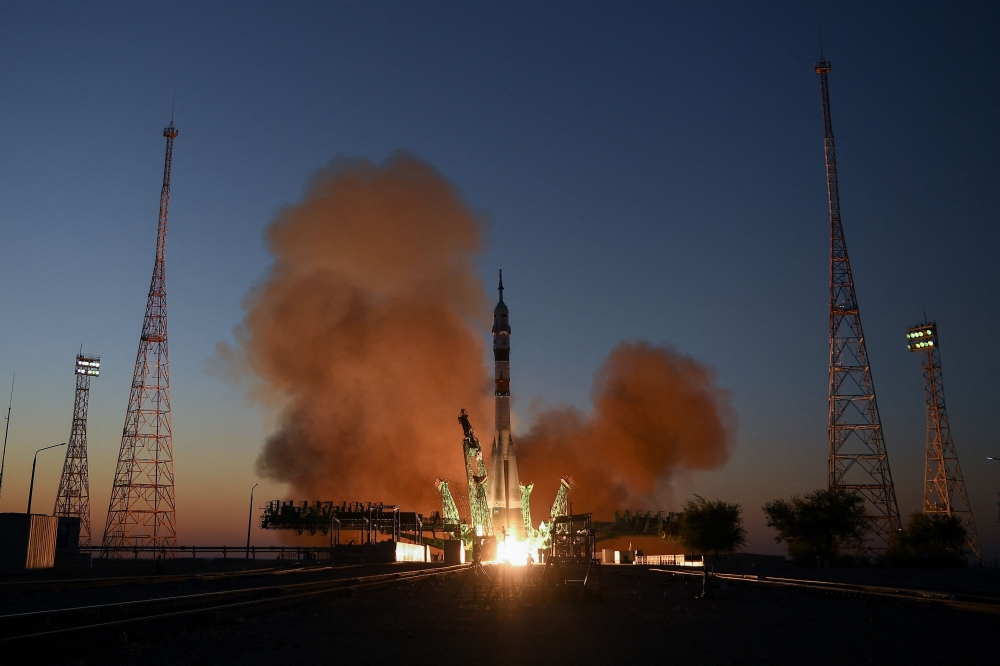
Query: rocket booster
{"points": [[504, 488]]}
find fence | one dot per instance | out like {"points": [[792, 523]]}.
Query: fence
{"points": [[671, 560]]}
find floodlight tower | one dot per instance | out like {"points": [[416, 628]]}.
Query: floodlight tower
{"points": [[944, 486], [73, 498], [856, 450], [141, 511]]}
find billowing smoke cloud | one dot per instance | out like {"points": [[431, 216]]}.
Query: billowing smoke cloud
{"points": [[657, 413], [368, 335], [369, 332]]}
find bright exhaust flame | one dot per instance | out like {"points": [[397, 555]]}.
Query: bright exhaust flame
{"points": [[517, 552]]}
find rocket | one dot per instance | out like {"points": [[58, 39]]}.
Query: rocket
{"points": [[504, 488]]}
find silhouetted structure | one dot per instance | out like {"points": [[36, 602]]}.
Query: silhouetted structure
{"points": [[73, 498], [141, 511], [944, 486], [857, 457]]}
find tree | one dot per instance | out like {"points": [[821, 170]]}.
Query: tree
{"points": [[929, 540], [711, 527], [821, 524]]}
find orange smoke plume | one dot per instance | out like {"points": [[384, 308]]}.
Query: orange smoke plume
{"points": [[368, 331], [657, 413], [368, 334]]}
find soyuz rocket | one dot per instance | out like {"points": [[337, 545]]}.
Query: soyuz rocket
{"points": [[504, 488]]}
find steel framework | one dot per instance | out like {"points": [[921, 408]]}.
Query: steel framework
{"points": [[449, 510], [475, 471], [560, 505], [944, 485], [73, 498], [368, 519], [525, 490], [857, 457], [142, 511]]}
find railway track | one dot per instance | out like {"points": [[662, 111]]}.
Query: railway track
{"points": [[40, 625], [114, 581], [957, 600]]}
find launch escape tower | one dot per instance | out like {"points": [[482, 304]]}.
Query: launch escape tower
{"points": [[73, 498], [857, 457], [944, 486], [504, 487], [141, 511]]}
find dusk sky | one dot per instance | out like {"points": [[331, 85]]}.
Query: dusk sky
{"points": [[647, 171]]}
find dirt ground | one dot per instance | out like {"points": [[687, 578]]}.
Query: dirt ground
{"points": [[640, 619]]}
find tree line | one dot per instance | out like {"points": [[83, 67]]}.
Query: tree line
{"points": [[821, 528]]}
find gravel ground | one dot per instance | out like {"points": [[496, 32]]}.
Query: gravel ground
{"points": [[424, 623]]}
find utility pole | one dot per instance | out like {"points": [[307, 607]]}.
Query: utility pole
{"points": [[73, 498], [250, 519], [857, 459], [31, 486], [944, 485], [3, 457], [142, 511]]}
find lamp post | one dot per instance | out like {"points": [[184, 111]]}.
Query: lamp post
{"points": [[31, 488], [250, 519]]}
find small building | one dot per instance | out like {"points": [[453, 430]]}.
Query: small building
{"points": [[27, 542]]}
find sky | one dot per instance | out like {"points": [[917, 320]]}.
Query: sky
{"points": [[647, 170]]}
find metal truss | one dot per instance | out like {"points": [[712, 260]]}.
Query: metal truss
{"points": [[525, 490], [141, 511], [857, 457], [944, 485], [475, 471], [73, 498], [560, 505]]}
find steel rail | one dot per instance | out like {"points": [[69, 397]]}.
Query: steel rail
{"points": [[112, 581], [958, 600], [39, 624]]}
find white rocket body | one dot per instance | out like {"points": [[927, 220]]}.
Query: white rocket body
{"points": [[504, 486]]}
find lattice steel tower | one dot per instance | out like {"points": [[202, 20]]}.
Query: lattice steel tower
{"points": [[944, 486], [73, 498], [141, 512], [857, 458]]}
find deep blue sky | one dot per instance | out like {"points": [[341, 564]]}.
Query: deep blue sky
{"points": [[649, 171]]}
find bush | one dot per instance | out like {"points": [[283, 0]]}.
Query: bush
{"points": [[820, 525], [929, 540]]}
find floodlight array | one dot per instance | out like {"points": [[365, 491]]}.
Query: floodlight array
{"points": [[88, 366], [921, 337]]}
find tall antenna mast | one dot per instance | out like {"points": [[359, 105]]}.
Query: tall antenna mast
{"points": [[944, 485], [3, 456], [858, 461], [141, 511], [73, 498]]}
